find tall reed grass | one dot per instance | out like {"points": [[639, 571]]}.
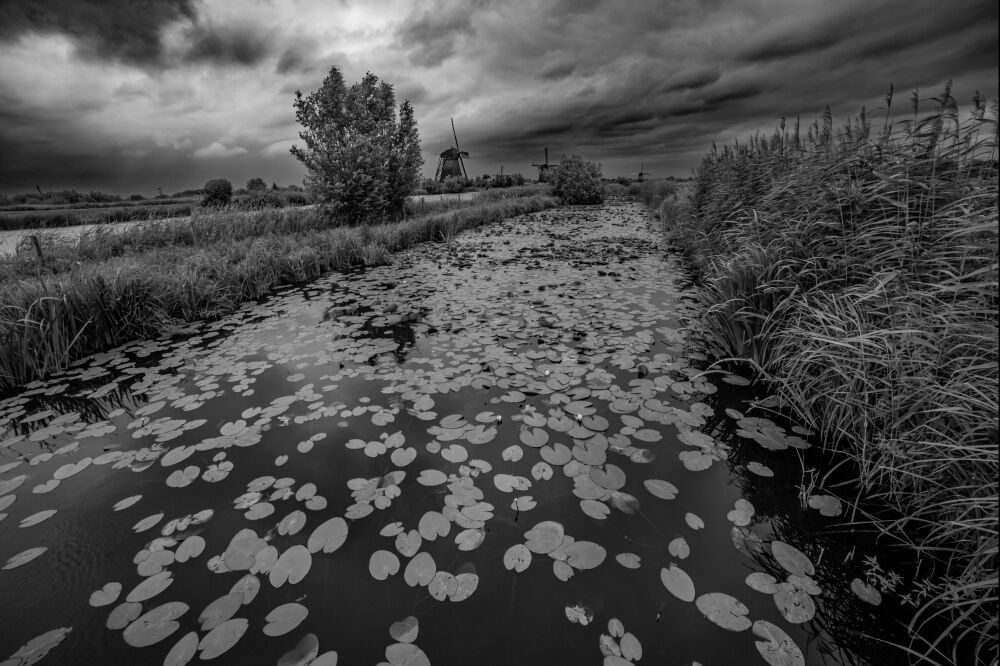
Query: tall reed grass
{"points": [[856, 269], [112, 288]]}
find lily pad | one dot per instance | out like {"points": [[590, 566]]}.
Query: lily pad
{"points": [[183, 650], [222, 638], [795, 604], [36, 518], [545, 537], [660, 488], [776, 647], [420, 570], [866, 592], [585, 554], [107, 595], [631, 647], [579, 614], [678, 582], [23, 557], [629, 560], [35, 650], [724, 610], [220, 610], [150, 587], [762, 582], [122, 614], [827, 505], [284, 618], [155, 625], [329, 536], [383, 564], [679, 548], [292, 566], [517, 558], [792, 559], [406, 630]]}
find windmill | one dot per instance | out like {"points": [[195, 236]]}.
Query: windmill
{"points": [[450, 161], [640, 174], [543, 169]]}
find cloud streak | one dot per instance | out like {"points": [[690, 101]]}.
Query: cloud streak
{"points": [[128, 95]]}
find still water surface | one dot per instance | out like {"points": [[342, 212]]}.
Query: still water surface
{"points": [[534, 374]]}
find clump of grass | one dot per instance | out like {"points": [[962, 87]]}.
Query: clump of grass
{"points": [[118, 288], [856, 270]]}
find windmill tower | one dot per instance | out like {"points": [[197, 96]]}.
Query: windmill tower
{"points": [[450, 161], [543, 169], [640, 174]]}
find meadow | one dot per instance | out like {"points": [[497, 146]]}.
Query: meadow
{"points": [[853, 270]]}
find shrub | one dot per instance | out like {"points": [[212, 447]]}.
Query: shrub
{"points": [[363, 158], [577, 181], [430, 185], [262, 198], [218, 192], [256, 185], [136, 197]]}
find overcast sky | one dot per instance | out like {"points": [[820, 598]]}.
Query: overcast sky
{"points": [[130, 95]]}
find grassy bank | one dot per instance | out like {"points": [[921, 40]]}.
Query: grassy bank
{"points": [[51, 219], [111, 288], [855, 269]]}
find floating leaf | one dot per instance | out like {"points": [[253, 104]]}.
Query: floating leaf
{"points": [[408, 543], [679, 548], [662, 489], [305, 654], [406, 654], [183, 650], [631, 647], [432, 525], [431, 477], [223, 637], [35, 650], [693, 521], [585, 554], [150, 587], [517, 557], [284, 618], [442, 586], [470, 539], [220, 610], [420, 570], [329, 536], [866, 592], [466, 584], [777, 648], [123, 614], [193, 546], [595, 509], [792, 559], [106, 596], [247, 587], [678, 582], [579, 614], [742, 514], [629, 560], [147, 522], [762, 582], [292, 566], [155, 625], [36, 518], [23, 557], [725, 611], [383, 564], [406, 630], [759, 469], [795, 604], [827, 505], [545, 537]]}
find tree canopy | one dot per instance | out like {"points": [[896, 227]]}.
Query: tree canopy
{"points": [[363, 158]]}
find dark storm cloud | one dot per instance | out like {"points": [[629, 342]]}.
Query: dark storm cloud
{"points": [[227, 45], [430, 38], [559, 69], [126, 30]]}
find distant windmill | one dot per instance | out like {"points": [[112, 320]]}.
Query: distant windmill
{"points": [[450, 161], [640, 174], [543, 169]]}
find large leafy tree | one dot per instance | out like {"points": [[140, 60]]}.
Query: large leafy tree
{"points": [[363, 158]]}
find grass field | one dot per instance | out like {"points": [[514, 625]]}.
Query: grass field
{"points": [[855, 271]]}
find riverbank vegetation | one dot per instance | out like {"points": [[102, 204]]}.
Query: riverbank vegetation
{"points": [[112, 287], [855, 271]]}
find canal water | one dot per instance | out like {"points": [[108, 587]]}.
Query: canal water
{"points": [[503, 449]]}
